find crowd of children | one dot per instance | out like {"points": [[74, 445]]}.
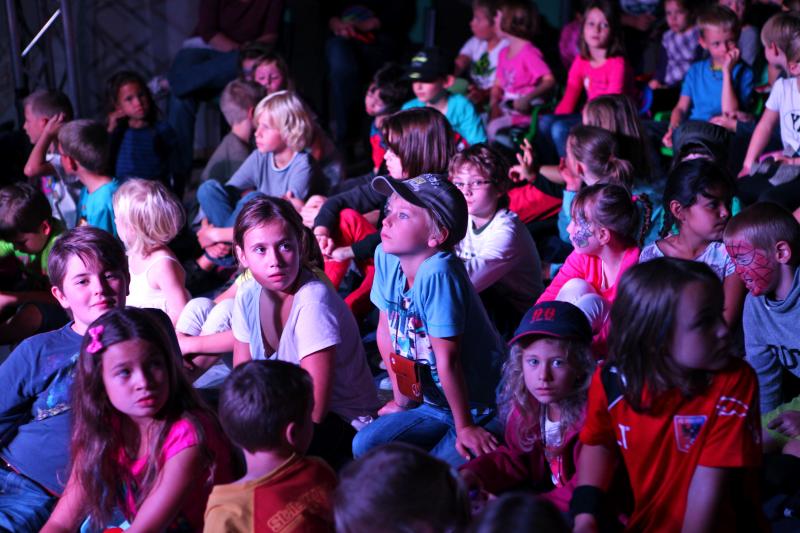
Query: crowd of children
{"points": [[557, 301]]}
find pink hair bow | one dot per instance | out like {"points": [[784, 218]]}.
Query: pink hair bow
{"points": [[96, 344]]}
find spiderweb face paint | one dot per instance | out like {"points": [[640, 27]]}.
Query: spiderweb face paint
{"points": [[753, 265], [582, 232]]}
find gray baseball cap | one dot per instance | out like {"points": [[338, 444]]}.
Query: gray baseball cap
{"points": [[435, 193]]}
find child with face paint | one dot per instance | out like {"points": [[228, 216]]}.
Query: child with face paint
{"points": [[606, 231], [764, 243]]}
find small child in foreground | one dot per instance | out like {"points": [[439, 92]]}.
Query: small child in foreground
{"points": [[265, 409]]}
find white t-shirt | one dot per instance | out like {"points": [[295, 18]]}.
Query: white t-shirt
{"points": [[503, 254], [482, 70], [784, 99], [62, 191], [715, 255], [318, 319]]}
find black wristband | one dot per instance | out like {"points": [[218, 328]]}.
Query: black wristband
{"points": [[587, 499]]}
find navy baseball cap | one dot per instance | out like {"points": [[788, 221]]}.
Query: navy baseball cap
{"points": [[435, 193], [429, 64], [557, 319]]}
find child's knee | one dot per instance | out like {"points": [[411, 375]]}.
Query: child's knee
{"points": [[194, 315], [574, 289]]}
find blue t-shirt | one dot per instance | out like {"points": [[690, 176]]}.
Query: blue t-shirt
{"points": [[35, 383], [704, 86], [145, 152], [97, 209], [462, 117], [441, 303]]}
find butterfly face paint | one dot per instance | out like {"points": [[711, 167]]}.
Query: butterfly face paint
{"points": [[754, 266]]}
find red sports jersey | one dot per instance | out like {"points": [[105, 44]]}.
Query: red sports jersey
{"points": [[662, 447]]}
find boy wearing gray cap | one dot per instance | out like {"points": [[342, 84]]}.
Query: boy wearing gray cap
{"points": [[442, 354]]}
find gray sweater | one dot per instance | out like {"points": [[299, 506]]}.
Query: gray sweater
{"points": [[772, 341]]}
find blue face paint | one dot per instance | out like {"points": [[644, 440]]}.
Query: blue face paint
{"points": [[583, 231]]}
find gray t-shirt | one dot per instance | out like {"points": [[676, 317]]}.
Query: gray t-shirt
{"points": [[318, 319], [772, 341], [226, 159], [260, 173]]}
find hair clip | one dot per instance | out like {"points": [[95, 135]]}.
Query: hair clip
{"points": [[96, 344]]}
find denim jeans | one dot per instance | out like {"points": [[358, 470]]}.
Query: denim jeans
{"points": [[196, 74], [24, 505], [551, 136], [221, 204], [428, 427]]}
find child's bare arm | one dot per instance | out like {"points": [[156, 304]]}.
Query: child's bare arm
{"points": [[70, 510], [676, 118], [384, 342], [179, 475], [704, 498], [735, 292], [462, 63], [170, 277], [596, 465], [470, 439], [241, 352], [37, 164], [730, 102], [320, 366], [759, 139]]}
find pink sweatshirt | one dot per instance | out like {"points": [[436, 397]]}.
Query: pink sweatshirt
{"points": [[588, 268], [612, 77], [511, 466]]}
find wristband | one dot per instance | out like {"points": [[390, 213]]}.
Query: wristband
{"points": [[587, 499]]}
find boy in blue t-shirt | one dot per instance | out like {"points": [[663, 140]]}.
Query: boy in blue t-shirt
{"points": [[430, 77], [89, 272], [441, 352], [719, 86], [84, 146]]}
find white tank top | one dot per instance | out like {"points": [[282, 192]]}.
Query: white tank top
{"points": [[142, 294]]}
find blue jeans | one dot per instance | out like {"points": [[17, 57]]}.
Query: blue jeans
{"points": [[428, 427], [24, 505], [221, 204], [551, 136], [196, 74]]}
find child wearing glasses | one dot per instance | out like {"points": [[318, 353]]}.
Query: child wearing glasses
{"points": [[498, 251]]}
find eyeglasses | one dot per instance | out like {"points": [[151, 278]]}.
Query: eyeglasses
{"points": [[472, 185]]}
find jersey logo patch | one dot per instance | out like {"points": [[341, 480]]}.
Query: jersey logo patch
{"points": [[687, 428]]}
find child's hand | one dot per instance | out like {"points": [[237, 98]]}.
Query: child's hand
{"points": [[391, 407], [726, 121], [572, 182], [326, 244], [114, 118], [655, 84], [205, 234], [786, 423], [731, 58], [296, 202], [745, 170], [524, 170], [344, 253], [472, 441], [52, 126], [667, 139], [311, 210], [219, 250]]}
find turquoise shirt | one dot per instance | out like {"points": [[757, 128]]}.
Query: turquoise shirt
{"points": [[96, 209], [462, 117]]}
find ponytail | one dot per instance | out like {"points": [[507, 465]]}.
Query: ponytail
{"points": [[598, 150]]}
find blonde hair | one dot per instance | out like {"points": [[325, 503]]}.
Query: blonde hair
{"points": [[783, 29], [153, 214], [289, 115]]}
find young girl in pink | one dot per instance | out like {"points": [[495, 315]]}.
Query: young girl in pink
{"points": [[522, 75], [600, 69], [142, 441], [605, 230]]}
